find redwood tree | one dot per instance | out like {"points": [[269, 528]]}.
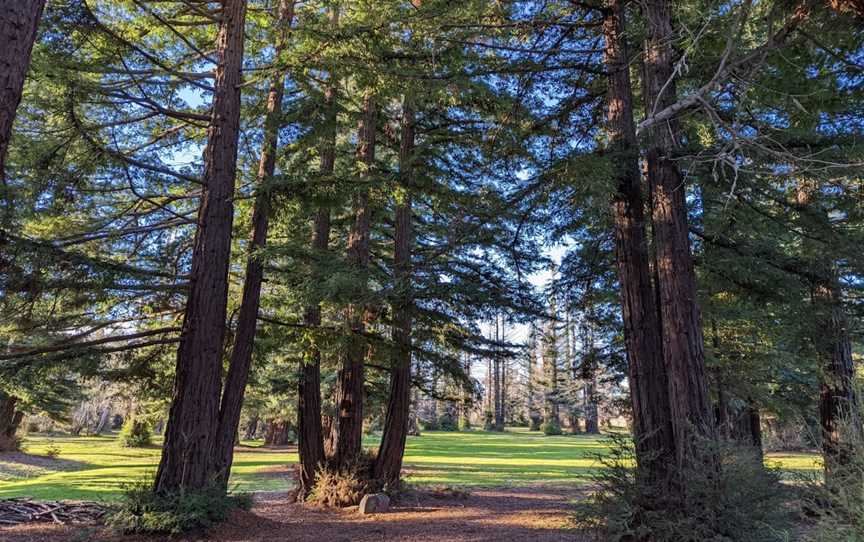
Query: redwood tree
{"points": [[190, 436], [349, 393], [241, 355], [646, 372], [683, 348], [389, 461], [19, 20], [310, 434]]}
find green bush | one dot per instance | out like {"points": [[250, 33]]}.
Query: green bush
{"points": [[143, 511], [738, 500], [446, 422], [551, 428], [837, 507], [429, 425], [135, 433], [52, 451], [464, 424]]}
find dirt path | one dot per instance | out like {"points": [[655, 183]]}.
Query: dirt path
{"points": [[535, 514]]}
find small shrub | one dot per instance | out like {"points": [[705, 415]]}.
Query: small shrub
{"points": [[116, 422], [465, 424], [551, 428], [135, 433], [144, 511], [837, 507], [52, 451], [738, 501], [429, 425], [340, 488], [446, 422]]}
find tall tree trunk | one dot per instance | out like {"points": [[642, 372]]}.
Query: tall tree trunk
{"points": [[646, 372], [589, 375], [464, 409], [349, 392], [839, 410], [310, 432], [278, 433], [251, 428], [755, 427], [190, 437], [531, 386], [19, 21], [683, 348], [388, 465], [10, 420], [498, 377], [550, 370], [247, 321]]}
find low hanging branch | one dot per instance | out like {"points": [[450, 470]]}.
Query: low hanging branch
{"points": [[60, 347]]}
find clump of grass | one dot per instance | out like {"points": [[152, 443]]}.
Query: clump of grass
{"points": [[135, 433], [737, 500], [144, 511]]}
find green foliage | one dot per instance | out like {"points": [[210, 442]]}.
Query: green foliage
{"points": [[446, 422], [144, 511], [135, 433], [838, 505], [52, 451], [738, 501], [552, 427]]}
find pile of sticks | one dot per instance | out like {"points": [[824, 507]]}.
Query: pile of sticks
{"points": [[18, 511]]}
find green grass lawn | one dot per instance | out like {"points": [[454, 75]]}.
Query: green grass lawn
{"points": [[97, 468]]}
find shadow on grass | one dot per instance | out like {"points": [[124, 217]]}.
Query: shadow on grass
{"points": [[21, 465]]}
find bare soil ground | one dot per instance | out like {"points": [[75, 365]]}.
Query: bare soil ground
{"points": [[535, 514]]}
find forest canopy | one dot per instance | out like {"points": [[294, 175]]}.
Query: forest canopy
{"points": [[310, 220]]}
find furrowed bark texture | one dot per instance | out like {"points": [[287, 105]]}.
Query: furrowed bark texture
{"points": [[247, 321], [10, 420], [349, 392], [19, 21], [190, 436], [310, 431], [388, 466], [683, 348]]}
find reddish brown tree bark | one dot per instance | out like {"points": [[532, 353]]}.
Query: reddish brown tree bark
{"points": [[388, 466], [19, 20], [349, 393], [247, 320], [838, 405], [309, 428], [683, 348], [10, 420], [190, 436], [646, 372]]}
